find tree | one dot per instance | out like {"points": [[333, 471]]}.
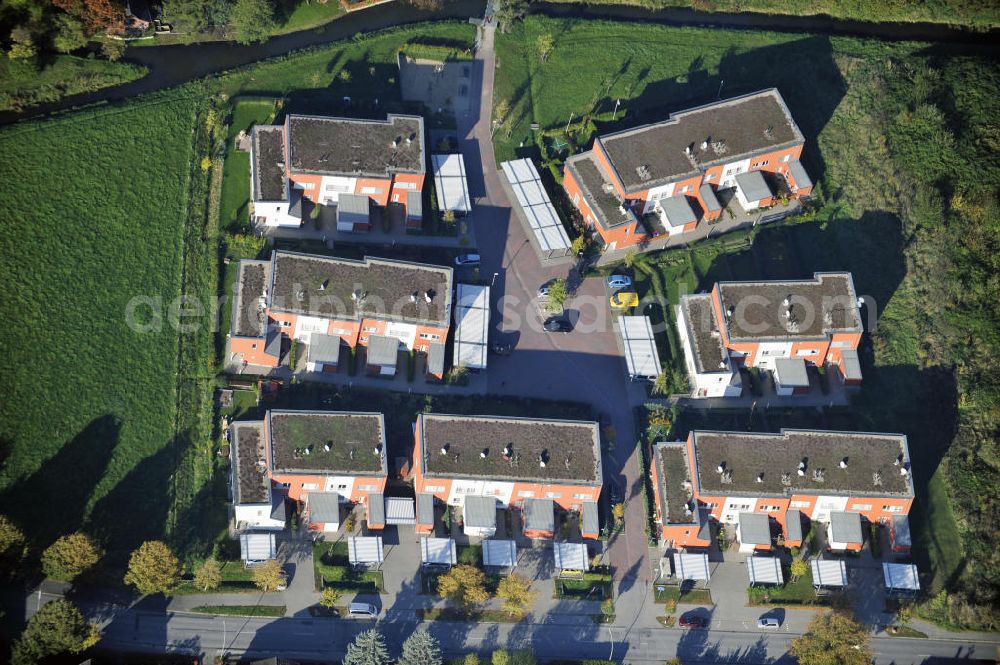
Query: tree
{"points": [[508, 11], [545, 43], [798, 569], [67, 33], [464, 584], [253, 20], [208, 575], [57, 628], [11, 540], [579, 244], [368, 648], [500, 657], [471, 659], [70, 556], [427, 5], [186, 16], [96, 15], [833, 638], [618, 512], [661, 384], [523, 657], [558, 293], [448, 217], [23, 46], [153, 568], [515, 592], [420, 648], [329, 598], [269, 576]]}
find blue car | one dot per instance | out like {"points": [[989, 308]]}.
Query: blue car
{"points": [[619, 281]]}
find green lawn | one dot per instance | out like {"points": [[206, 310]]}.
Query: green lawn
{"points": [[94, 210], [242, 610], [305, 14], [590, 586], [333, 570], [234, 203], [934, 11], [798, 592], [672, 592], [24, 84]]}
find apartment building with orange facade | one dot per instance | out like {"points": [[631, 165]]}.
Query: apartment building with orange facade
{"points": [[378, 163], [825, 477], [812, 322], [511, 460], [331, 304], [329, 458], [672, 171]]}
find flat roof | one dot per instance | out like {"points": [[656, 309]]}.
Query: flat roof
{"points": [[257, 546], [383, 350], [251, 482], [480, 512], [708, 198], [710, 354], [901, 530], [533, 200], [324, 507], [829, 572], [720, 132], [753, 186], [375, 509], [267, 163], [845, 527], [590, 522], [675, 483], [472, 326], [356, 147], [641, 355], [451, 183], [791, 309], [791, 372], [677, 210], [765, 570], [569, 449], [793, 524], [602, 197], [251, 287], [425, 508], [299, 442], [755, 528], [799, 174], [539, 515], [324, 348], [350, 289], [776, 459]]}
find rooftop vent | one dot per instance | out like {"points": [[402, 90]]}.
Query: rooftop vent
{"points": [[643, 172], [395, 143], [760, 477], [769, 132], [607, 188], [877, 479], [730, 311], [819, 475], [721, 468], [704, 144], [687, 150], [327, 447], [322, 286], [543, 458], [566, 463], [719, 147], [428, 296], [300, 295], [484, 453], [727, 477], [377, 449], [861, 301], [786, 479], [413, 296], [843, 463], [722, 364], [307, 450], [444, 449], [508, 450], [898, 460], [904, 471], [787, 301]]}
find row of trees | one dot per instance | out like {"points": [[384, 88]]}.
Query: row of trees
{"points": [[64, 560], [421, 648], [466, 585]]}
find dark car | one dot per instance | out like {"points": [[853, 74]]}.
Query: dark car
{"points": [[556, 324], [691, 621], [502, 349]]}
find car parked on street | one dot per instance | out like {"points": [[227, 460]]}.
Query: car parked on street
{"points": [[362, 610], [690, 620], [556, 324], [768, 623], [468, 260], [619, 281], [625, 300], [543, 290]]}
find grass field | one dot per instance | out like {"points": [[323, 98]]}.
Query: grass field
{"points": [[95, 206], [956, 12], [23, 84], [242, 610]]}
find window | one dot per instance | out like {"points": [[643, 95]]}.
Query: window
{"points": [[371, 190], [286, 324], [342, 487], [772, 352], [367, 488], [807, 352], [685, 189], [768, 509], [429, 336], [582, 497], [786, 158], [306, 185], [526, 494], [841, 344], [433, 488], [310, 486], [709, 176], [406, 185], [340, 331], [760, 164], [370, 329], [395, 197], [335, 187], [553, 495], [861, 506], [799, 504], [892, 509]]}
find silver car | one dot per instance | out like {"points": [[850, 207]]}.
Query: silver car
{"points": [[768, 623], [619, 281]]}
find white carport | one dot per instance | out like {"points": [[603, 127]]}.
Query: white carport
{"points": [[829, 573], [451, 183], [533, 201], [472, 326], [571, 556], [689, 566], [764, 570], [499, 553], [438, 551], [640, 347], [257, 547], [900, 577], [365, 550]]}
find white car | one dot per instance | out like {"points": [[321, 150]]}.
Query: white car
{"points": [[768, 623], [467, 260]]}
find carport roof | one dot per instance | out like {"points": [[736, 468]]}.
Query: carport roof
{"points": [[829, 572], [708, 198], [472, 325], [425, 508], [850, 364], [324, 507], [450, 182], [539, 515], [365, 549], [570, 449], [257, 546], [571, 556], [324, 348], [755, 529], [901, 576], [691, 566], [400, 510], [435, 358], [791, 372], [677, 210], [376, 509], [753, 186], [765, 570], [845, 527], [500, 553], [480, 512], [799, 174], [441, 551], [536, 206], [641, 355]]}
